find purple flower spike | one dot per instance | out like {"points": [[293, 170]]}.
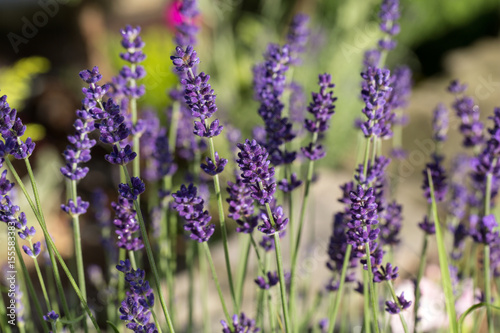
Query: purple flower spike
{"points": [[51, 316], [427, 226], [363, 214], [190, 207], [438, 177], [12, 128], [280, 222], [389, 14], [440, 123], [256, 172], [297, 36], [322, 108], [484, 231], [75, 209], [35, 251], [288, 186], [394, 308], [468, 113], [126, 225], [122, 156], [386, 273], [136, 309], [241, 206], [91, 76], [132, 192], [187, 30], [214, 129], [212, 168], [241, 324], [272, 280], [5, 184]]}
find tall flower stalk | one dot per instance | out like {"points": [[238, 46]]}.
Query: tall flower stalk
{"points": [[253, 161], [200, 98], [322, 108]]}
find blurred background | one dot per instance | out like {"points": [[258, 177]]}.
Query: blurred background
{"points": [[45, 43]]}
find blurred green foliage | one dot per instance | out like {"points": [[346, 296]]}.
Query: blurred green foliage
{"points": [[15, 82], [234, 34]]}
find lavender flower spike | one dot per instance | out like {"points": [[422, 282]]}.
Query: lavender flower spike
{"points": [[190, 207], [375, 91], [389, 13], [12, 128], [240, 324], [322, 108], [440, 122], [253, 161]]}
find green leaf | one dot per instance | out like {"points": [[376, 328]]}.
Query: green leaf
{"points": [[469, 311], [113, 326]]}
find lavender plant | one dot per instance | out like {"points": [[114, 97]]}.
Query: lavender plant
{"points": [[178, 152]]}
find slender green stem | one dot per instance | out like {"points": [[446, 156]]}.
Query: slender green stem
{"points": [[420, 274], [395, 298], [42, 284], [262, 266], [372, 287], [486, 259], [190, 252], [366, 303], [223, 227], [131, 257], [50, 243], [335, 301], [149, 253], [443, 262], [31, 289], [41, 219], [204, 290], [79, 262], [216, 281], [242, 270], [296, 246]]}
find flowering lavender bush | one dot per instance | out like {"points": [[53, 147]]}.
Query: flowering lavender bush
{"points": [[156, 221]]}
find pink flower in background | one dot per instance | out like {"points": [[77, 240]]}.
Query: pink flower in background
{"points": [[173, 17], [172, 14]]}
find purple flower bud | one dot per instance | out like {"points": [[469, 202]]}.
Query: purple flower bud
{"points": [[212, 168], [280, 221], [132, 192], [51, 316], [121, 156], [75, 209], [272, 280], [241, 324], [427, 226]]}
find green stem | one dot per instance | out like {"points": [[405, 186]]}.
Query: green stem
{"points": [[204, 291], [37, 209], [372, 287], [79, 261], [149, 253], [420, 274], [335, 301], [242, 270], [443, 262], [31, 289], [366, 303], [42, 284], [223, 227], [216, 281], [191, 249], [395, 297], [281, 273], [131, 256], [296, 246]]}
